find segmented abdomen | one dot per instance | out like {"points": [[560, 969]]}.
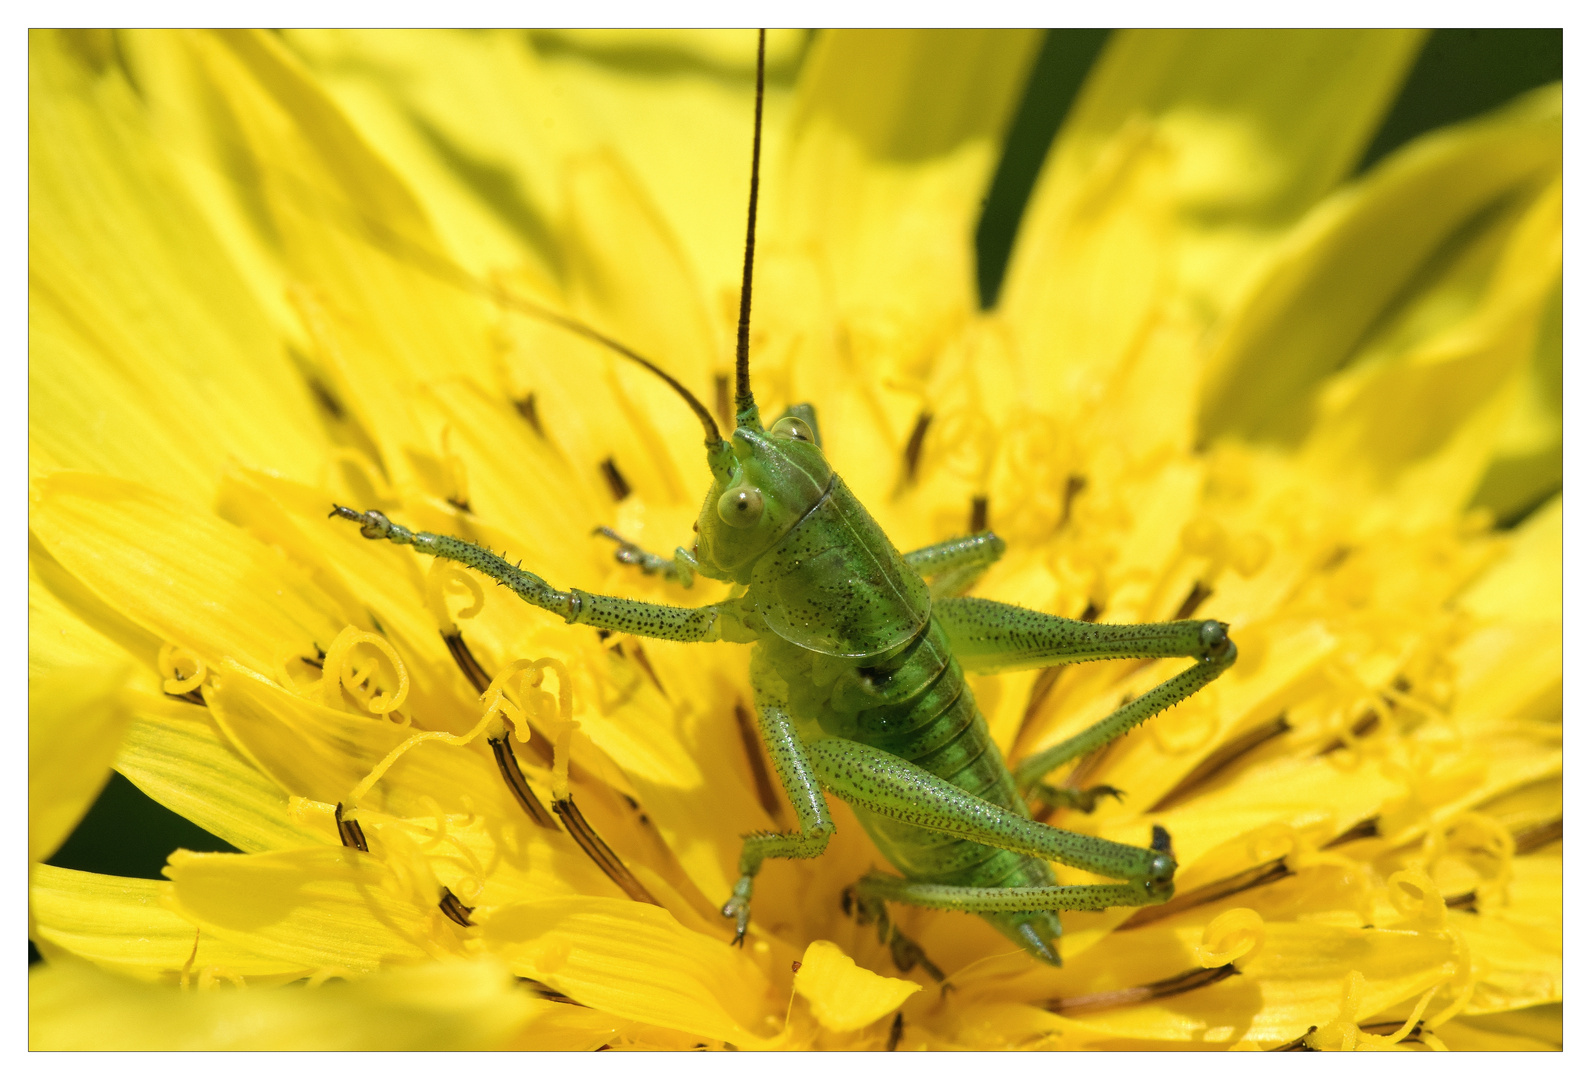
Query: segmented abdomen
{"points": [[939, 729]]}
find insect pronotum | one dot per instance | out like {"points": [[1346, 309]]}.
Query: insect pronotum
{"points": [[858, 671]]}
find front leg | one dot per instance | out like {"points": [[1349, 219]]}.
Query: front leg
{"points": [[801, 786], [575, 605]]}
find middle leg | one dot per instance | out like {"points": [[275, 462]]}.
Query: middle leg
{"points": [[814, 826], [952, 566]]}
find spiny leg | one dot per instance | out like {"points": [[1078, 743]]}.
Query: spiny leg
{"points": [[801, 786], [988, 636], [681, 568], [952, 566], [880, 887], [894, 788], [575, 605]]}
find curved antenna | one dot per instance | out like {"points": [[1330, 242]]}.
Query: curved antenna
{"points": [[423, 258], [710, 426], [745, 404]]}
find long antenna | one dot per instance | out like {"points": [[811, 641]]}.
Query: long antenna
{"points": [[383, 237], [745, 404], [508, 300]]}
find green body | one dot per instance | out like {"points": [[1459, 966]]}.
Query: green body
{"points": [[910, 700]]}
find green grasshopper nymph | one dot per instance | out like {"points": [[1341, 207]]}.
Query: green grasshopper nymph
{"points": [[858, 669]]}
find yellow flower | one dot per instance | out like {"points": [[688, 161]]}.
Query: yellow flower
{"points": [[268, 273]]}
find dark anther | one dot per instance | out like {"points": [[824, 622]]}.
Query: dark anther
{"points": [[618, 486], [759, 768], [1043, 683], [547, 993], [527, 408], [191, 696], [795, 966], [914, 447], [646, 666], [1194, 979], [459, 504], [1298, 1045], [1463, 901], [1538, 836], [326, 399], [514, 777], [349, 832], [454, 908], [1364, 830], [896, 1026], [1090, 613], [980, 514], [1196, 596], [599, 851], [318, 661], [1075, 484], [1252, 878], [1221, 758], [466, 661], [1361, 727]]}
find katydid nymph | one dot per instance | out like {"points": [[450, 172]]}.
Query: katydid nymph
{"points": [[858, 672]]}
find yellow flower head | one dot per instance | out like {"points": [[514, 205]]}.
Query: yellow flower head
{"points": [[270, 273]]}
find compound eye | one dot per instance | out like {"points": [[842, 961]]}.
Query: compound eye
{"points": [[740, 507], [793, 427]]}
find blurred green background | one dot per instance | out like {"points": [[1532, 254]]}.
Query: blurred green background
{"points": [[1459, 73]]}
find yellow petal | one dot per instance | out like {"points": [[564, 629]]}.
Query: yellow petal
{"points": [[1349, 257], [635, 960], [1265, 145], [175, 754], [205, 586], [1293, 982], [1528, 584], [68, 626], [151, 358], [1517, 940], [379, 296], [76, 718], [843, 996], [1529, 458], [119, 924], [467, 118], [1539, 1028], [894, 130], [455, 1005], [323, 907], [1171, 177], [1467, 373]]}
